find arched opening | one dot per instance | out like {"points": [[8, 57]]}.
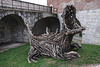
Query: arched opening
{"points": [[40, 26], [11, 29]]}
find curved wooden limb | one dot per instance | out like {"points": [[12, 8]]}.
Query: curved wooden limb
{"points": [[71, 55], [33, 53], [34, 60], [75, 45], [75, 31]]}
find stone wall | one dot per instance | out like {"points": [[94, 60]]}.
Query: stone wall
{"points": [[90, 20], [79, 4], [16, 30], [12, 29], [88, 13], [5, 34]]}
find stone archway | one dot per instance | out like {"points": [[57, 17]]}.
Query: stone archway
{"points": [[40, 26], [11, 28]]}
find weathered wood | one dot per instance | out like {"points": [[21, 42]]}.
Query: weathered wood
{"points": [[57, 45]]}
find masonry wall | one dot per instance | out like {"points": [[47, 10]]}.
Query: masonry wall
{"points": [[5, 34], [90, 20], [14, 24], [12, 29], [88, 13], [79, 4]]}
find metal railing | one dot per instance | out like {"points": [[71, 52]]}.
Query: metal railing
{"points": [[23, 6]]}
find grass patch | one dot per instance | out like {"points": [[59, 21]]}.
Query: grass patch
{"points": [[16, 57]]}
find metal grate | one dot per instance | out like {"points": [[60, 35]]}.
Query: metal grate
{"points": [[23, 6]]}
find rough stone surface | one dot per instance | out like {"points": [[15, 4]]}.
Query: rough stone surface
{"points": [[79, 4], [90, 20], [88, 14], [15, 29], [4, 28]]}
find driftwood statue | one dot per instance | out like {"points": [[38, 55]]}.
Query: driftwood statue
{"points": [[57, 45]]}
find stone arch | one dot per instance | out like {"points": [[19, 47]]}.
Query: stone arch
{"points": [[12, 28], [40, 26]]}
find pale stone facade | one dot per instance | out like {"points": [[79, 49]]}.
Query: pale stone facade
{"points": [[88, 13], [90, 20]]}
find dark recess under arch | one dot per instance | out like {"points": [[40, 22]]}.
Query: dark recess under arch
{"points": [[12, 27], [40, 26]]}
